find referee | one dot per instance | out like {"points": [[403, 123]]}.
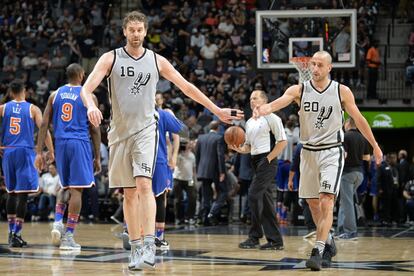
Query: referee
{"points": [[265, 140]]}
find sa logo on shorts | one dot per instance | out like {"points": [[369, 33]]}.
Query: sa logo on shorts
{"points": [[146, 168], [326, 185]]}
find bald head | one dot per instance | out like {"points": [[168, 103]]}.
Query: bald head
{"points": [[323, 55], [321, 65]]}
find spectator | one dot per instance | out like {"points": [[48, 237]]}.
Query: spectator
{"points": [[226, 26], [49, 185], [65, 17], [88, 47], [211, 169], [78, 27], [97, 23], [30, 61], [197, 40], [185, 180], [44, 61], [373, 64], [357, 150], [409, 69], [409, 200], [388, 187], [10, 62], [42, 89]]}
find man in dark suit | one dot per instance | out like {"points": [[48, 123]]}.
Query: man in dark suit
{"points": [[211, 169]]}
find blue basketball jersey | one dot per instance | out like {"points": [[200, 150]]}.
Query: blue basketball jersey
{"points": [[166, 123], [70, 118], [17, 125]]}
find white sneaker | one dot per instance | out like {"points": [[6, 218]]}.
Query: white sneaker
{"points": [[68, 242], [148, 256], [135, 259], [57, 232]]}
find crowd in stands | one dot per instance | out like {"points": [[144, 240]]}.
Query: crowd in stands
{"points": [[210, 43]]}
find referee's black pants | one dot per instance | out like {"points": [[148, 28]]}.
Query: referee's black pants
{"points": [[261, 202]]}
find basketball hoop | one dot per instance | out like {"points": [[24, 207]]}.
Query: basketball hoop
{"points": [[302, 64]]}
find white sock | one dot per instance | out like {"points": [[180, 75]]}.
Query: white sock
{"points": [[321, 246], [135, 244]]}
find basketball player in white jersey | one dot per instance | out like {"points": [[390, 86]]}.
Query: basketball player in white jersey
{"points": [[133, 72], [321, 101]]}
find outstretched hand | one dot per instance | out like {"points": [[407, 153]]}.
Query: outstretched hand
{"points": [[227, 115]]}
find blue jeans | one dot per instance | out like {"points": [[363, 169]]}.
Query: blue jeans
{"points": [[350, 182], [46, 204], [410, 208]]}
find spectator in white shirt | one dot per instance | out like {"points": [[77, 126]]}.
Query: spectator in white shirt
{"points": [[49, 184], [197, 39]]}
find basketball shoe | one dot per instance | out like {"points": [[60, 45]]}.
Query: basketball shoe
{"points": [[68, 242], [162, 244], [148, 255], [328, 253], [135, 258], [57, 232], [314, 262], [17, 241]]}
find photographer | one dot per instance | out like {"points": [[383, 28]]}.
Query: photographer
{"points": [[409, 196], [184, 179]]}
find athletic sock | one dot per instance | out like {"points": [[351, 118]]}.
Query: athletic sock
{"points": [[135, 244], [71, 223], [159, 233], [149, 239], [59, 211], [18, 226], [12, 221], [321, 246]]}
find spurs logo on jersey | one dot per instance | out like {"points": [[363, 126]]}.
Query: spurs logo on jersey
{"points": [[139, 81], [132, 84], [321, 115]]}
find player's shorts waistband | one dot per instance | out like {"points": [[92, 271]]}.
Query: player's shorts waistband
{"points": [[321, 147]]}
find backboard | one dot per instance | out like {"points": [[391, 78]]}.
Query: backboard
{"points": [[281, 35]]}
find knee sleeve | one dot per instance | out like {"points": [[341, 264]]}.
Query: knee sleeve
{"points": [[11, 204], [21, 205], [160, 216]]}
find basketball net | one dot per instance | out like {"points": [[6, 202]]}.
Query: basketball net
{"points": [[302, 64]]}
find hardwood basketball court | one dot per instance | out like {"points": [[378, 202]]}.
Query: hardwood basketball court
{"points": [[207, 251]]}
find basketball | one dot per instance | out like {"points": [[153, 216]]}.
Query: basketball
{"points": [[234, 136]]}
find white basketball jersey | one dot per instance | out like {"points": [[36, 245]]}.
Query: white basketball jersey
{"points": [[132, 86], [321, 116]]}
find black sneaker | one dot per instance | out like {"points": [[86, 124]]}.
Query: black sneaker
{"points": [[162, 244], [271, 246], [17, 241], [10, 238], [249, 244], [315, 260], [332, 247], [328, 253]]}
